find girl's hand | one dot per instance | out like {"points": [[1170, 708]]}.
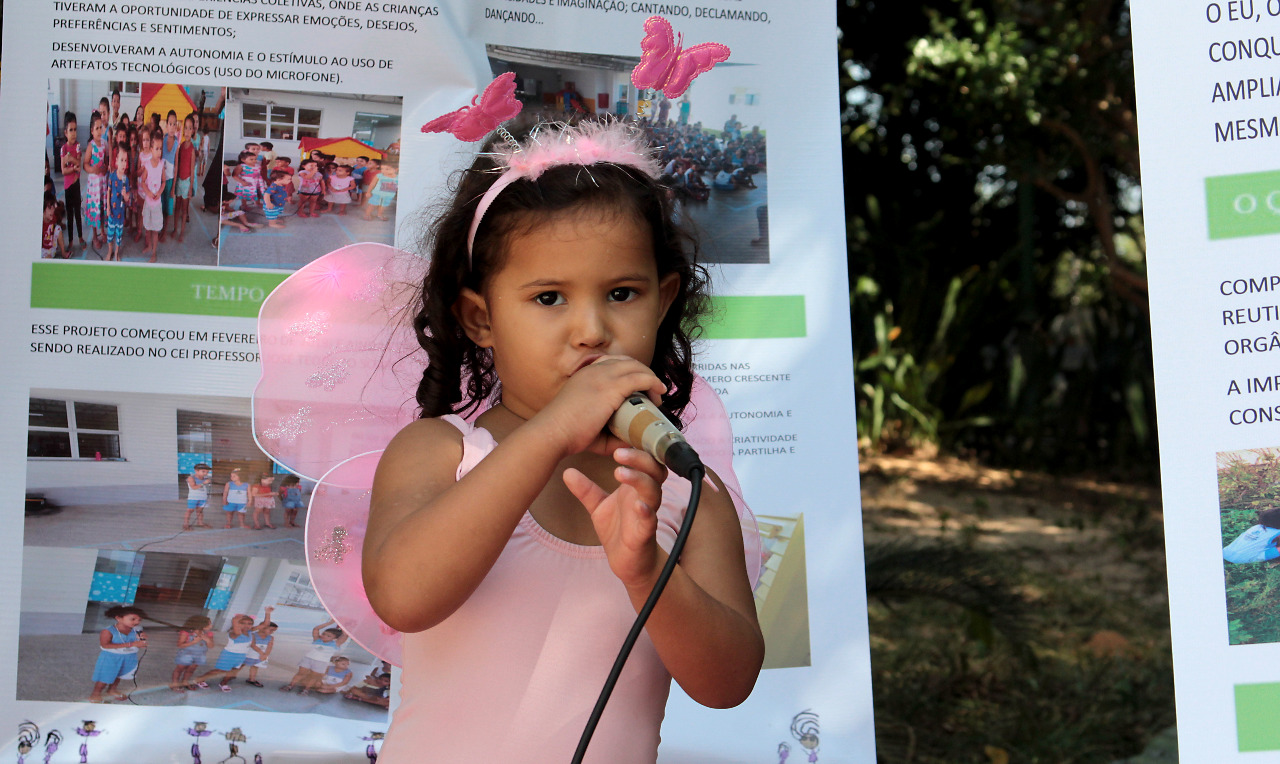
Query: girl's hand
{"points": [[626, 521], [578, 414]]}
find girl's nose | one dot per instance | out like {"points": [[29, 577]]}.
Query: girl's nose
{"points": [[591, 330]]}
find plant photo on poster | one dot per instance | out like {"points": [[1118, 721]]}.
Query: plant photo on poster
{"points": [[710, 142], [305, 174], [161, 629], [124, 164], [1249, 506]]}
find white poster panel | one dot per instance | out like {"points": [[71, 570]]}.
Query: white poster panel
{"points": [[134, 362], [1210, 185]]}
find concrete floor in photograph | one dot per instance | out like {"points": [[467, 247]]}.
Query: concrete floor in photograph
{"points": [[60, 668], [726, 223], [156, 526], [302, 239]]}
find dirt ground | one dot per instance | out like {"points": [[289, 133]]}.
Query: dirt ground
{"points": [[1089, 562]]}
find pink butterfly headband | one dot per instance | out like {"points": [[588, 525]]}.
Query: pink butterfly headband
{"points": [[586, 144]]}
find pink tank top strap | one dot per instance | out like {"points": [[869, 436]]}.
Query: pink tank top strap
{"points": [[476, 443]]}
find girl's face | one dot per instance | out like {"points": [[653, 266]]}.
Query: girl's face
{"points": [[265, 481], [122, 162], [48, 211], [128, 622], [343, 171], [389, 171], [96, 130], [145, 140], [582, 285], [235, 477]]}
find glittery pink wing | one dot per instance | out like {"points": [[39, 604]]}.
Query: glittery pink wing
{"points": [[495, 105], [337, 518], [707, 429], [658, 53], [690, 63], [340, 364]]}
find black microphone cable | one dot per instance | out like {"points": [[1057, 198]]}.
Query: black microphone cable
{"points": [[695, 473]]}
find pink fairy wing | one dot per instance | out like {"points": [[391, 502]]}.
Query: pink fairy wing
{"points": [[337, 519], [340, 363], [690, 63], [495, 105], [658, 54], [707, 429]]}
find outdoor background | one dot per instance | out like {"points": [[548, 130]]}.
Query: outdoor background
{"points": [[1015, 567]]}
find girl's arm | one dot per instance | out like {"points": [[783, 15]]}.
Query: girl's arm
{"points": [[226, 489], [417, 505], [104, 639], [191, 481], [188, 638], [315, 633], [704, 625]]}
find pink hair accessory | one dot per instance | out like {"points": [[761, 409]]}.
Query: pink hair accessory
{"points": [[665, 66], [586, 144], [487, 111]]}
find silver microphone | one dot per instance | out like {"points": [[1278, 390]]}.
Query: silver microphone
{"points": [[642, 425]]}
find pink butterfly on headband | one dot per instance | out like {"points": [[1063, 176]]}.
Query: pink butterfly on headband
{"points": [[664, 66], [495, 105]]}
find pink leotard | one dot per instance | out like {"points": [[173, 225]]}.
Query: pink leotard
{"points": [[513, 674]]}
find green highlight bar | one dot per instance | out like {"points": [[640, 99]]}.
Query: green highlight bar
{"points": [[112, 286], [1243, 205], [755, 318], [1256, 728]]}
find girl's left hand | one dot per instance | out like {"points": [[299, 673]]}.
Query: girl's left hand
{"points": [[626, 521]]}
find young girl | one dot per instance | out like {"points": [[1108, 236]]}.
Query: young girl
{"points": [[515, 551], [119, 644], [1258, 543], [95, 169], [194, 640], [263, 643], [310, 185], [383, 192], [51, 242], [151, 187], [325, 641], [291, 499], [263, 497], [184, 184], [337, 676], [340, 185], [119, 192], [235, 497], [239, 642]]}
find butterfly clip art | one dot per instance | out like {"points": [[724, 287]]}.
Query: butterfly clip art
{"points": [[487, 111], [665, 66]]}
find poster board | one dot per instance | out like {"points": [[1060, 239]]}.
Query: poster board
{"points": [[132, 373], [1210, 170]]}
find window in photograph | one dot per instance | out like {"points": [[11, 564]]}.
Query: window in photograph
{"points": [[298, 592], [275, 122], [61, 429], [126, 88]]}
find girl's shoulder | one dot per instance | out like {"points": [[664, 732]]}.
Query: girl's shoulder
{"points": [[434, 445]]}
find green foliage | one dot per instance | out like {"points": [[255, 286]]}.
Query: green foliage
{"points": [[992, 197]]}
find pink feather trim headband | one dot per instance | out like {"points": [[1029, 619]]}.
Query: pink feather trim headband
{"points": [[586, 144]]}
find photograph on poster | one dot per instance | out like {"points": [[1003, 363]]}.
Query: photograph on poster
{"points": [[782, 598], [1249, 507], [173, 473], [124, 165], [220, 632], [305, 174], [711, 142]]}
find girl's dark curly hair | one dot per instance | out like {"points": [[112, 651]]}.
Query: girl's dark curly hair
{"points": [[460, 377]]}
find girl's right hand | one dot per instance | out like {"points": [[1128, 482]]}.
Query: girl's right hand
{"points": [[576, 418]]}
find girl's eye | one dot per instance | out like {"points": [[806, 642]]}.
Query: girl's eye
{"points": [[549, 299], [622, 294]]}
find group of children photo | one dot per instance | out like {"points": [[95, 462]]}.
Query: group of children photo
{"points": [[239, 496], [131, 182], [260, 182], [246, 646]]}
